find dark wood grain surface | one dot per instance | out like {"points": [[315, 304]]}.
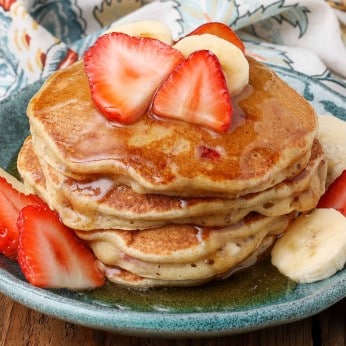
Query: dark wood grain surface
{"points": [[22, 326]]}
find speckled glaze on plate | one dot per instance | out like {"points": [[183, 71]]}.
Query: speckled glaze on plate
{"points": [[266, 298]]}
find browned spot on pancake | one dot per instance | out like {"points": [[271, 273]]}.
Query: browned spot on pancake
{"points": [[128, 276], [166, 240]]}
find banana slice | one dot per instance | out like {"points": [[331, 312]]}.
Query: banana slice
{"points": [[313, 248], [144, 28], [332, 136], [234, 64]]}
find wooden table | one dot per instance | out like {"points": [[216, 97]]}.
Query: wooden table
{"points": [[22, 326]]}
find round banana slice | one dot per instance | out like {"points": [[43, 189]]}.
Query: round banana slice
{"points": [[144, 28], [313, 248], [234, 64], [331, 134]]}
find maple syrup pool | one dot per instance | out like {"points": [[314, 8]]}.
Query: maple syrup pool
{"points": [[259, 284]]}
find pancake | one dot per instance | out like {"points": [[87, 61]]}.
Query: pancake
{"points": [[125, 278], [174, 255], [269, 141], [184, 252], [179, 243], [103, 203]]}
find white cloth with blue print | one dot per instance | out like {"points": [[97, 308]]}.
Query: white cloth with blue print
{"points": [[301, 40]]}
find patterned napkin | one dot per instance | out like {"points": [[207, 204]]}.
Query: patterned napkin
{"points": [[297, 38]]}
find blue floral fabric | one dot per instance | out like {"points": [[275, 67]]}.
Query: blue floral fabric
{"points": [[38, 37]]}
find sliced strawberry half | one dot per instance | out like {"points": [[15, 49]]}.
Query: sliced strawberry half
{"points": [[51, 256], [124, 72], [11, 202], [221, 30], [196, 92], [335, 196]]}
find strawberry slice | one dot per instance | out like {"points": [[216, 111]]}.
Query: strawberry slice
{"points": [[51, 256], [124, 72], [196, 92], [221, 30], [11, 202], [335, 197]]}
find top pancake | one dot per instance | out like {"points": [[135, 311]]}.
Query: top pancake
{"points": [[270, 139]]}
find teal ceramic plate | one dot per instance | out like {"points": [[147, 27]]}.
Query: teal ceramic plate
{"points": [[257, 298]]}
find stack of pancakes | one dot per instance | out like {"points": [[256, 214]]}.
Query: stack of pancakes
{"points": [[165, 202]]}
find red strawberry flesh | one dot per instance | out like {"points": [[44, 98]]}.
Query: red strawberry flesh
{"points": [[196, 92], [50, 254], [124, 72], [335, 196], [11, 202]]}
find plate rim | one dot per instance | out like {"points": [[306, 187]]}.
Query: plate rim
{"points": [[173, 324]]}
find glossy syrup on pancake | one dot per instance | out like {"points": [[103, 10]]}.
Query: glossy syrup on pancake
{"points": [[103, 203], [269, 141]]}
